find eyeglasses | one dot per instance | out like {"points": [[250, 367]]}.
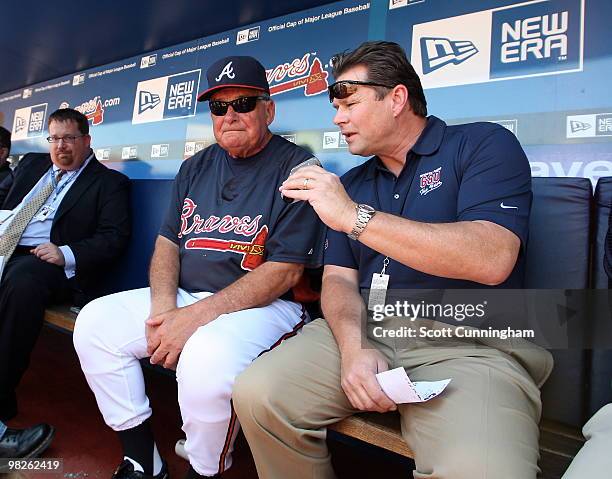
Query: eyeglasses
{"points": [[66, 139], [344, 88], [244, 104]]}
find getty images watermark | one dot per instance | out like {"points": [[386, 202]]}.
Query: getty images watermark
{"points": [[551, 318], [433, 317]]}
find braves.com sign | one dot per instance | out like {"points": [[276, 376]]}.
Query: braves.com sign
{"points": [[166, 98], [528, 39], [29, 122]]}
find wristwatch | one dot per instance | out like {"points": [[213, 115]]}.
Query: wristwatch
{"points": [[364, 214]]}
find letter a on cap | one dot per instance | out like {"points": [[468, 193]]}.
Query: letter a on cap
{"points": [[227, 71]]}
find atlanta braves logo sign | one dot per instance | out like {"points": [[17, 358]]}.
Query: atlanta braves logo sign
{"points": [[299, 73]]}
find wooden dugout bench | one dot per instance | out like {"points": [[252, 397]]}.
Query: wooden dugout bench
{"points": [[558, 443]]}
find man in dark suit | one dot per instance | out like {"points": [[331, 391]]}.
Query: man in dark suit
{"points": [[78, 223]]}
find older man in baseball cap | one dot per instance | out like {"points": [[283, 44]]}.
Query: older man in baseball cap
{"points": [[228, 254]]}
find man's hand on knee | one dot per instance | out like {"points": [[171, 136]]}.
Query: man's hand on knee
{"points": [[153, 338], [359, 368], [50, 253], [172, 329]]}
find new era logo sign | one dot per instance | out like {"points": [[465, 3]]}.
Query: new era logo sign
{"points": [[527, 39], [29, 122], [589, 126], [604, 124], [160, 151], [437, 52], [147, 100], [148, 61], [78, 79], [402, 3], [248, 35], [129, 152], [331, 139], [166, 98], [579, 126]]}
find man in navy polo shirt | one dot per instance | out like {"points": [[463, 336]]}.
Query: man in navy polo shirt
{"points": [[439, 207], [227, 256]]}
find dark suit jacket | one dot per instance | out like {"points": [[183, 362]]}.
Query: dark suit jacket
{"points": [[5, 172], [93, 218]]}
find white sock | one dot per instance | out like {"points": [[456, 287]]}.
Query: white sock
{"points": [[137, 466], [157, 461]]}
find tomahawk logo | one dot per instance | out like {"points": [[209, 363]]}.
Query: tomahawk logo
{"points": [[579, 126], [227, 71], [437, 52], [147, 101], [252, 252]]}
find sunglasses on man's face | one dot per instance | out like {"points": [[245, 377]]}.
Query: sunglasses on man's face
{"points": [[345, 88], [244, 104]]}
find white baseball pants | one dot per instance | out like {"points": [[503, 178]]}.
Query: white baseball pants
{"points": [[109, 338]]}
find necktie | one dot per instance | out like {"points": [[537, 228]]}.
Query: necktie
{"points": [[10, 239]]}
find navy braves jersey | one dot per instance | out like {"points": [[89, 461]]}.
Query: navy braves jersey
{"points": [[228, 217], [476, 171]]}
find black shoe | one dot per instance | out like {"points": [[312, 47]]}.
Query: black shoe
{"points": [[24, 443], [126, 471]]}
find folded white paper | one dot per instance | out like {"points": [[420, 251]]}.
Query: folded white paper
{"points": [[397, 385]]}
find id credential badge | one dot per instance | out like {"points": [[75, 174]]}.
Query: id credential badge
{"points": [[45, 211], [378, 287]]}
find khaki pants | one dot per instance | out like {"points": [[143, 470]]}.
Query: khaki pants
{"points": [[484, 425], [594, 459]]}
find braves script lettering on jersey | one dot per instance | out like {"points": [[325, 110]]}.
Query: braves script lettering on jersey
{"points": [[228, 217]]}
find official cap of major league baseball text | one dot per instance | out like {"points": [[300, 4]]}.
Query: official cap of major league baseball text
{"points": [[241, 72]]}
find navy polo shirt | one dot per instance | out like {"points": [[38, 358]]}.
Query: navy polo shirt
{"points": [[475, 171]]}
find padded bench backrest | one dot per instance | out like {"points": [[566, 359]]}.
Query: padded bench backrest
{"points": [[559, 234], [149, 202], [603, 203], [601, 363], [558, 258]]}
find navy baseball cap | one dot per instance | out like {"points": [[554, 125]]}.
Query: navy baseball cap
{"points": [[243, 72]]}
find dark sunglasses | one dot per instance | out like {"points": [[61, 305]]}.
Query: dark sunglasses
{"points": [[244, 104], [344, 88]]}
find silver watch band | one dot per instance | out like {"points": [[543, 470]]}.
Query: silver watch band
{"points": [[364, 214]]}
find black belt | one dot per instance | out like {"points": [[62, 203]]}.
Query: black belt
{"points": [[22, 250]]}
